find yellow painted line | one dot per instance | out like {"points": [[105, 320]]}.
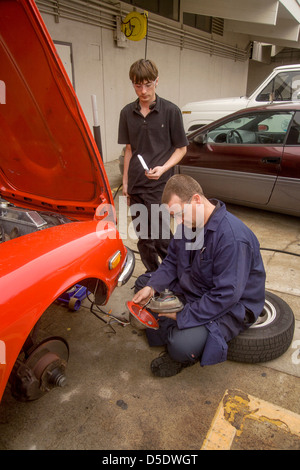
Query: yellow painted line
{"points": [[233, 410]]}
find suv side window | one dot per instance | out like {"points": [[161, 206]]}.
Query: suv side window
{"points": [[294, 134], [284, 87]]}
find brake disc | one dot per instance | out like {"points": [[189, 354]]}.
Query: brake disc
{"points": [[43, 370], [166, 302]]}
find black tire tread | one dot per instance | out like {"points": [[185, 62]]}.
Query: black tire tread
{"points": [[264, 344]]}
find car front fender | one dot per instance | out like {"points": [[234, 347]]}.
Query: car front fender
{"points": [[40, 266]]}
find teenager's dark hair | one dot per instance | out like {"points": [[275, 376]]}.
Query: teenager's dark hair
{"points": [[143, 70]]}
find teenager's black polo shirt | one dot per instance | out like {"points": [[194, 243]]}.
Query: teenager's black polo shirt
{"points": [[155, 137]]}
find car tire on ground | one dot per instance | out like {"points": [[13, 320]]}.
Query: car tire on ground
{"points": [[269, 337]]}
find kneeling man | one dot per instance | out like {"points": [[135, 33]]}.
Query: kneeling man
{"points": [[219, 277]]}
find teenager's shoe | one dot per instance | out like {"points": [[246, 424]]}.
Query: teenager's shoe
{"points": [[165, 366]]}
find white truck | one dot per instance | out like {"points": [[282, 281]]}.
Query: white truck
{"points": [[282, 85]]}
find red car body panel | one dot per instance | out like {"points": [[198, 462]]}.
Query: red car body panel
{"points": [[290, 165], [234, 157], [49, 161], [39, 270]]}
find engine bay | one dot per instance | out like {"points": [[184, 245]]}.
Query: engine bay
{"points": [[17, 221]]}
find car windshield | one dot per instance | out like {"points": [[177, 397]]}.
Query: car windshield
{"points": [[237, 123]]}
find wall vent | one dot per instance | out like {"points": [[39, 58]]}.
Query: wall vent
{"points": [[217, 26]]}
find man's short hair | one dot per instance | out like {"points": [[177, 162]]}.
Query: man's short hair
{"points": [[183, 186], [143, 70]]}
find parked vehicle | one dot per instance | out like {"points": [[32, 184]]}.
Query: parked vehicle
{"points": [[282, 85], [57, 218], [251, 158]]}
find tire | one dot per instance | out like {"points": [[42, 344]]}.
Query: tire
{"points": [[269, 337]]}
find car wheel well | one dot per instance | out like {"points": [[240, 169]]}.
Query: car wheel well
{"points": [[97, 287], [23, 382]]}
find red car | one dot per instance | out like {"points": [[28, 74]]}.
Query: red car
{"points": [[57, 219], [251, 157]]}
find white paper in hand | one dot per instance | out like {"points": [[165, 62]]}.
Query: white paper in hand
{"points": [[143, 163]]}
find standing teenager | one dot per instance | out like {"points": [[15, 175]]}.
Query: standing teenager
{"points": [[151, 127]]}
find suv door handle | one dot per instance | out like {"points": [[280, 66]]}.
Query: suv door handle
{"points": [[271, 160]]}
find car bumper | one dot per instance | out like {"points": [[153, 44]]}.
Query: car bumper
{"points": [[128, 268]]}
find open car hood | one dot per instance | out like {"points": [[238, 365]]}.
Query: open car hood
{"points": [[48, 157]]}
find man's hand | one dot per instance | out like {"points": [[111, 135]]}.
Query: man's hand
{"points": [[155, 173], [125, 188], [125, 194], [143, 295], [127, 158]]}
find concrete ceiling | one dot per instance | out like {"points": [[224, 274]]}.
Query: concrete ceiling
{"points": [[274, 22]]}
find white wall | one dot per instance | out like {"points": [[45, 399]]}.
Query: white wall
{"points": [[209, 77], [101, 68]]}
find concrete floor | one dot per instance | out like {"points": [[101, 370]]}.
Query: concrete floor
{"points": [[112, 402]]}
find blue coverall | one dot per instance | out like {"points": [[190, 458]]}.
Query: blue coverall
{"points": [[222, 284]]}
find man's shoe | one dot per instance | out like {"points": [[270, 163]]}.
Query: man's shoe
{"points": [[165, 366]]}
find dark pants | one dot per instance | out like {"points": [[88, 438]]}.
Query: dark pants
{"points": [[184, 346], [154, 235]]}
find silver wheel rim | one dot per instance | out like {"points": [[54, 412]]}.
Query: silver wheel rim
{"points": [[267, 316]]}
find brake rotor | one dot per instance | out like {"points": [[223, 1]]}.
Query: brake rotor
{"points": [[43, 370], [141, 318], [166, 302]]}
